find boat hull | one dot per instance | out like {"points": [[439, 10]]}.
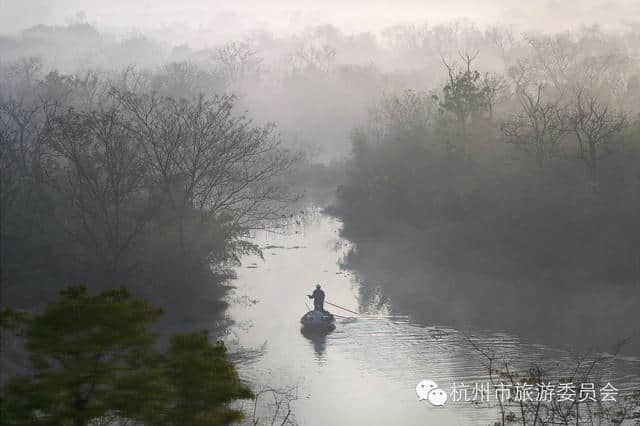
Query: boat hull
{"points": [[318, 321]]}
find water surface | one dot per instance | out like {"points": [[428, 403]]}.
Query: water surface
{"points": [[365, 372]]}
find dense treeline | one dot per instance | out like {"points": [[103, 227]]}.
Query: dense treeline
{"points": [[108, 181], [524, 164], [316, 83], [94, 360], [532, 173]]}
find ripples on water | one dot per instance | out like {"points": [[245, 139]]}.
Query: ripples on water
{"points": [[365, 372]]}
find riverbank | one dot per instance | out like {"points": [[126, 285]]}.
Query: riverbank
{"points": [[365, 372], [576, 314]]}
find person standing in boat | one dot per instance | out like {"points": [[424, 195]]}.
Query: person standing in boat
{"points": [[318, 298]]}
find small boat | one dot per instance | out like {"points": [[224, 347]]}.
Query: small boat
{"points": [[318, 321]]}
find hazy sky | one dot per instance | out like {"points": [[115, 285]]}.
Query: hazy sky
{"points": [[233, 17]]}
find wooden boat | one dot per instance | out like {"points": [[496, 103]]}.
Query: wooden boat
{"points": [[318, 321]]}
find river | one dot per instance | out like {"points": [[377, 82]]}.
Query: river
{"points": [[366, 371]]}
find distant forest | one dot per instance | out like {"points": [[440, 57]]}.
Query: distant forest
{"points": [[486, 150], [133, 173], [531, 173]]}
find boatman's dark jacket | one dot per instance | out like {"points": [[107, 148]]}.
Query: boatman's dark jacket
{"points": [[318, 299]]}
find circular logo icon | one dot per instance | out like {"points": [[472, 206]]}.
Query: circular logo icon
{"points": [[437, 397], [424, 387], [429, 390]]}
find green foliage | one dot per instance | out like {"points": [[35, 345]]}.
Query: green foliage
{"points": [[91, 356], [94, 357], [12, 320], [203, 382], [464, 95]]}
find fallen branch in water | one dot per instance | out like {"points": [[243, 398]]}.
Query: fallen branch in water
{"points": [[279, 410]]}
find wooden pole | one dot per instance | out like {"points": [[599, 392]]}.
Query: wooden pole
{"points": [[338, 306]]}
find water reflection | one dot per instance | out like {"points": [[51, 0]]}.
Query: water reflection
{"points": [[556, 313], [343, 372], [318, 339]]}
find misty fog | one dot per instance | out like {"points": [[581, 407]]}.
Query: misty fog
{"points": [[461, 178]]}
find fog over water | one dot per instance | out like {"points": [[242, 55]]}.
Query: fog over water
{"points": [[462, 176]]}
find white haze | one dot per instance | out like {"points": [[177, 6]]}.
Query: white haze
{"points": [[205, 22], [381, 47]]}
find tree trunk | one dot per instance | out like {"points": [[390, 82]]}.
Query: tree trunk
{"points": [[593, 166]]}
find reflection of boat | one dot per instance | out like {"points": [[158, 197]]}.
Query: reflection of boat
{"points": [[318, 321], [318, 338]]}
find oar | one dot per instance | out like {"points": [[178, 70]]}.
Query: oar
{"points": [[338, 306], [367, 316]]}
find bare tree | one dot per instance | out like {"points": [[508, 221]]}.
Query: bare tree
{"points": [[312, 57], [595, 126], [538, 128], [104, 185], [209, 161], [28, 105], [505, 40], [236, 61], [496, 89], [588, 369], [272, 406], [186, 80], [555, 57], [408, 111]]}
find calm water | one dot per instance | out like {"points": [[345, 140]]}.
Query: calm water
{"points": [[366, 371]]}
